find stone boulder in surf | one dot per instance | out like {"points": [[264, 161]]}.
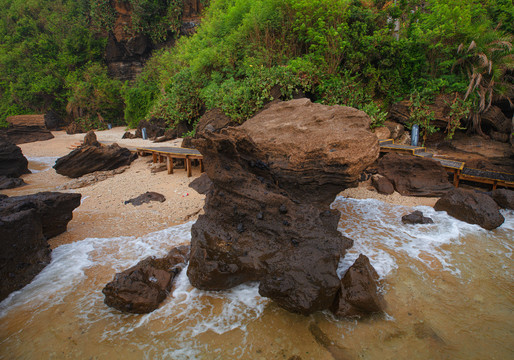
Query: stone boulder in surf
{"points": [[26, 223], [91, 158], [141, 288], [12, 162], [267, 213], [414, 175], [472, 207], [359, 295]]}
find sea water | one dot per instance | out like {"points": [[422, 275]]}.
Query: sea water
{"points": [[448, 286]]}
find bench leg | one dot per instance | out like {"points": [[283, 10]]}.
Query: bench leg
{"points": [[169, 164], [154, 158], [188, 167]]}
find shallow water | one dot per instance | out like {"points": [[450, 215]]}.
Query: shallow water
{"points": [[448, 287]]}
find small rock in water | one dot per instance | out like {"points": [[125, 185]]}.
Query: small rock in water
{"points": [[416, 217], [146, 198], [359, 294], [141, 288]]}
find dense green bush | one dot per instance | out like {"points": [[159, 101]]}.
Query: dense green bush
{"points": [[40, 43], [367, 54], [94, 98]]}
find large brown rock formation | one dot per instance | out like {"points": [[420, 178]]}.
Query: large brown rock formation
{"points": [[12, 162], [26, 222], [88, 159], [141, 288], [414, 175], [472, 207], [267, 215]]}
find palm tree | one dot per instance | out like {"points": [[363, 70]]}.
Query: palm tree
{"points": [[489, 64]]}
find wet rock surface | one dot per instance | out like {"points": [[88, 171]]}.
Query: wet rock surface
{"points": [[146, 198], [26, 223], [504, 198], [12, 162], [359, 295], [415, 218], [201, 184], [141, 288], [471, 207], [267, 216], [414, 176], [88, 159], [382, 184]]}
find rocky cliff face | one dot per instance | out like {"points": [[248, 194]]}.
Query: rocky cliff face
{"points": [[267, 215], [127, 52]]}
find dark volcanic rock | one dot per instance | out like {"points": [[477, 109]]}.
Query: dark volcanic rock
{"points": [[154, 128], [24, 250], [471, 207], [504, 198], [26, 222], [90, 139], [201, 184], [144, 286], [26, 134], [414, 175], [267, 216], [10, 183], [382, 184], [359, 294], [88, 159], [146, 198], [213, 120], [416, 217], [12, 161], [55, 209], [74, 128]]}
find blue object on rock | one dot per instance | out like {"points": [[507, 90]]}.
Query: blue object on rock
{"points": [[414, 135], [143, 132]]}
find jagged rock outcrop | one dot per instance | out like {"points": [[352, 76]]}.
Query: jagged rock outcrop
{"points": [[10, 182], [359, 294], [141, 288], [26, 128], [504, 198], [400, 111], [26, 222], [88, 159], [415, 218], [382, 184], [146, 198], [267, 216], [492, 120], [213, 120], [201, 184], [414, 175], [12, 162], [127, 49], [90, 139], [471, 207]]}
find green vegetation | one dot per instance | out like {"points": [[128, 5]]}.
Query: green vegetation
{"points": [[362, 53]]}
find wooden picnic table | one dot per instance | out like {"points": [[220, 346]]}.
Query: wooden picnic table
{"points": [[159, 154]]}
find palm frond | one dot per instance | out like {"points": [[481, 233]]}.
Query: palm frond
{"points": [[472, 45]]}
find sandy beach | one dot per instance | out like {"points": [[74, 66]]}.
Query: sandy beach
{"points": [[103, 212]]}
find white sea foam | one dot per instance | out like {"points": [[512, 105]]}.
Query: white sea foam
{"points": [[46, 161], [385, 237], [375, 227]]}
